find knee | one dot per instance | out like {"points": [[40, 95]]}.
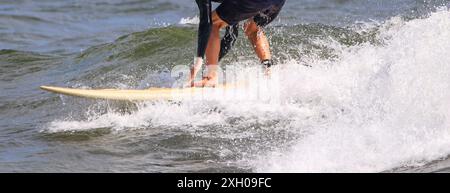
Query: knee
{"points": [[217, 23]]}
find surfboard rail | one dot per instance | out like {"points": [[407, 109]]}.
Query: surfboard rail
{"points": [[138, 95]]}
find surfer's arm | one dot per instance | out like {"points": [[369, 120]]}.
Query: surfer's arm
{"points": [[204, 31], [205, 26]]}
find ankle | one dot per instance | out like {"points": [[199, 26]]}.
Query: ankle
{"points": [[267, 63]]}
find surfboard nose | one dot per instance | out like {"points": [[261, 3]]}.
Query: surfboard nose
{"points": [[48, 88]]}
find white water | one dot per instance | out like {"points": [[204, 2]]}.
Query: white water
{"points": [[396, 99], [375, 108], [189, 20]]}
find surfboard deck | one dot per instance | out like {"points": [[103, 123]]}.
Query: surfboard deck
{"points": [[139, 95]]}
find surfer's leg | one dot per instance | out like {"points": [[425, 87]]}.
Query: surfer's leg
{"points": [[212, 52], [231, 12], [234, 11], [258, 39], [213, 48], [254, 30]]}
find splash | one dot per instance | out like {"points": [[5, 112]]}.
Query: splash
{"points": [[390, 103], [374, 107], [190, 20]]}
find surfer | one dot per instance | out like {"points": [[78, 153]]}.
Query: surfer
{"points": [[228, 14]]}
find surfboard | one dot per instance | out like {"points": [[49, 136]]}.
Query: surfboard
{"points": [[141, 95]]}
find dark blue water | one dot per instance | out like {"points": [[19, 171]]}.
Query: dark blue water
{"points": [[374, 99]]}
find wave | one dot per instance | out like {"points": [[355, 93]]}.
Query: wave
{"points": [[158, 50], [22, 18], [190, 20], [16, 64], [394, 100], [350, 100]]}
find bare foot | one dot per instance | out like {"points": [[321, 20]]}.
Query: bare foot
{"points": [[189, 83], [207, 82]]}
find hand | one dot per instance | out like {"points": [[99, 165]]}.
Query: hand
{"points": [[194, 70]]}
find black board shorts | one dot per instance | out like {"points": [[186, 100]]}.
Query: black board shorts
{"points": [[262, 11]]}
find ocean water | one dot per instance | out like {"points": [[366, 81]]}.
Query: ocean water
{"points": [[360, 86]]}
